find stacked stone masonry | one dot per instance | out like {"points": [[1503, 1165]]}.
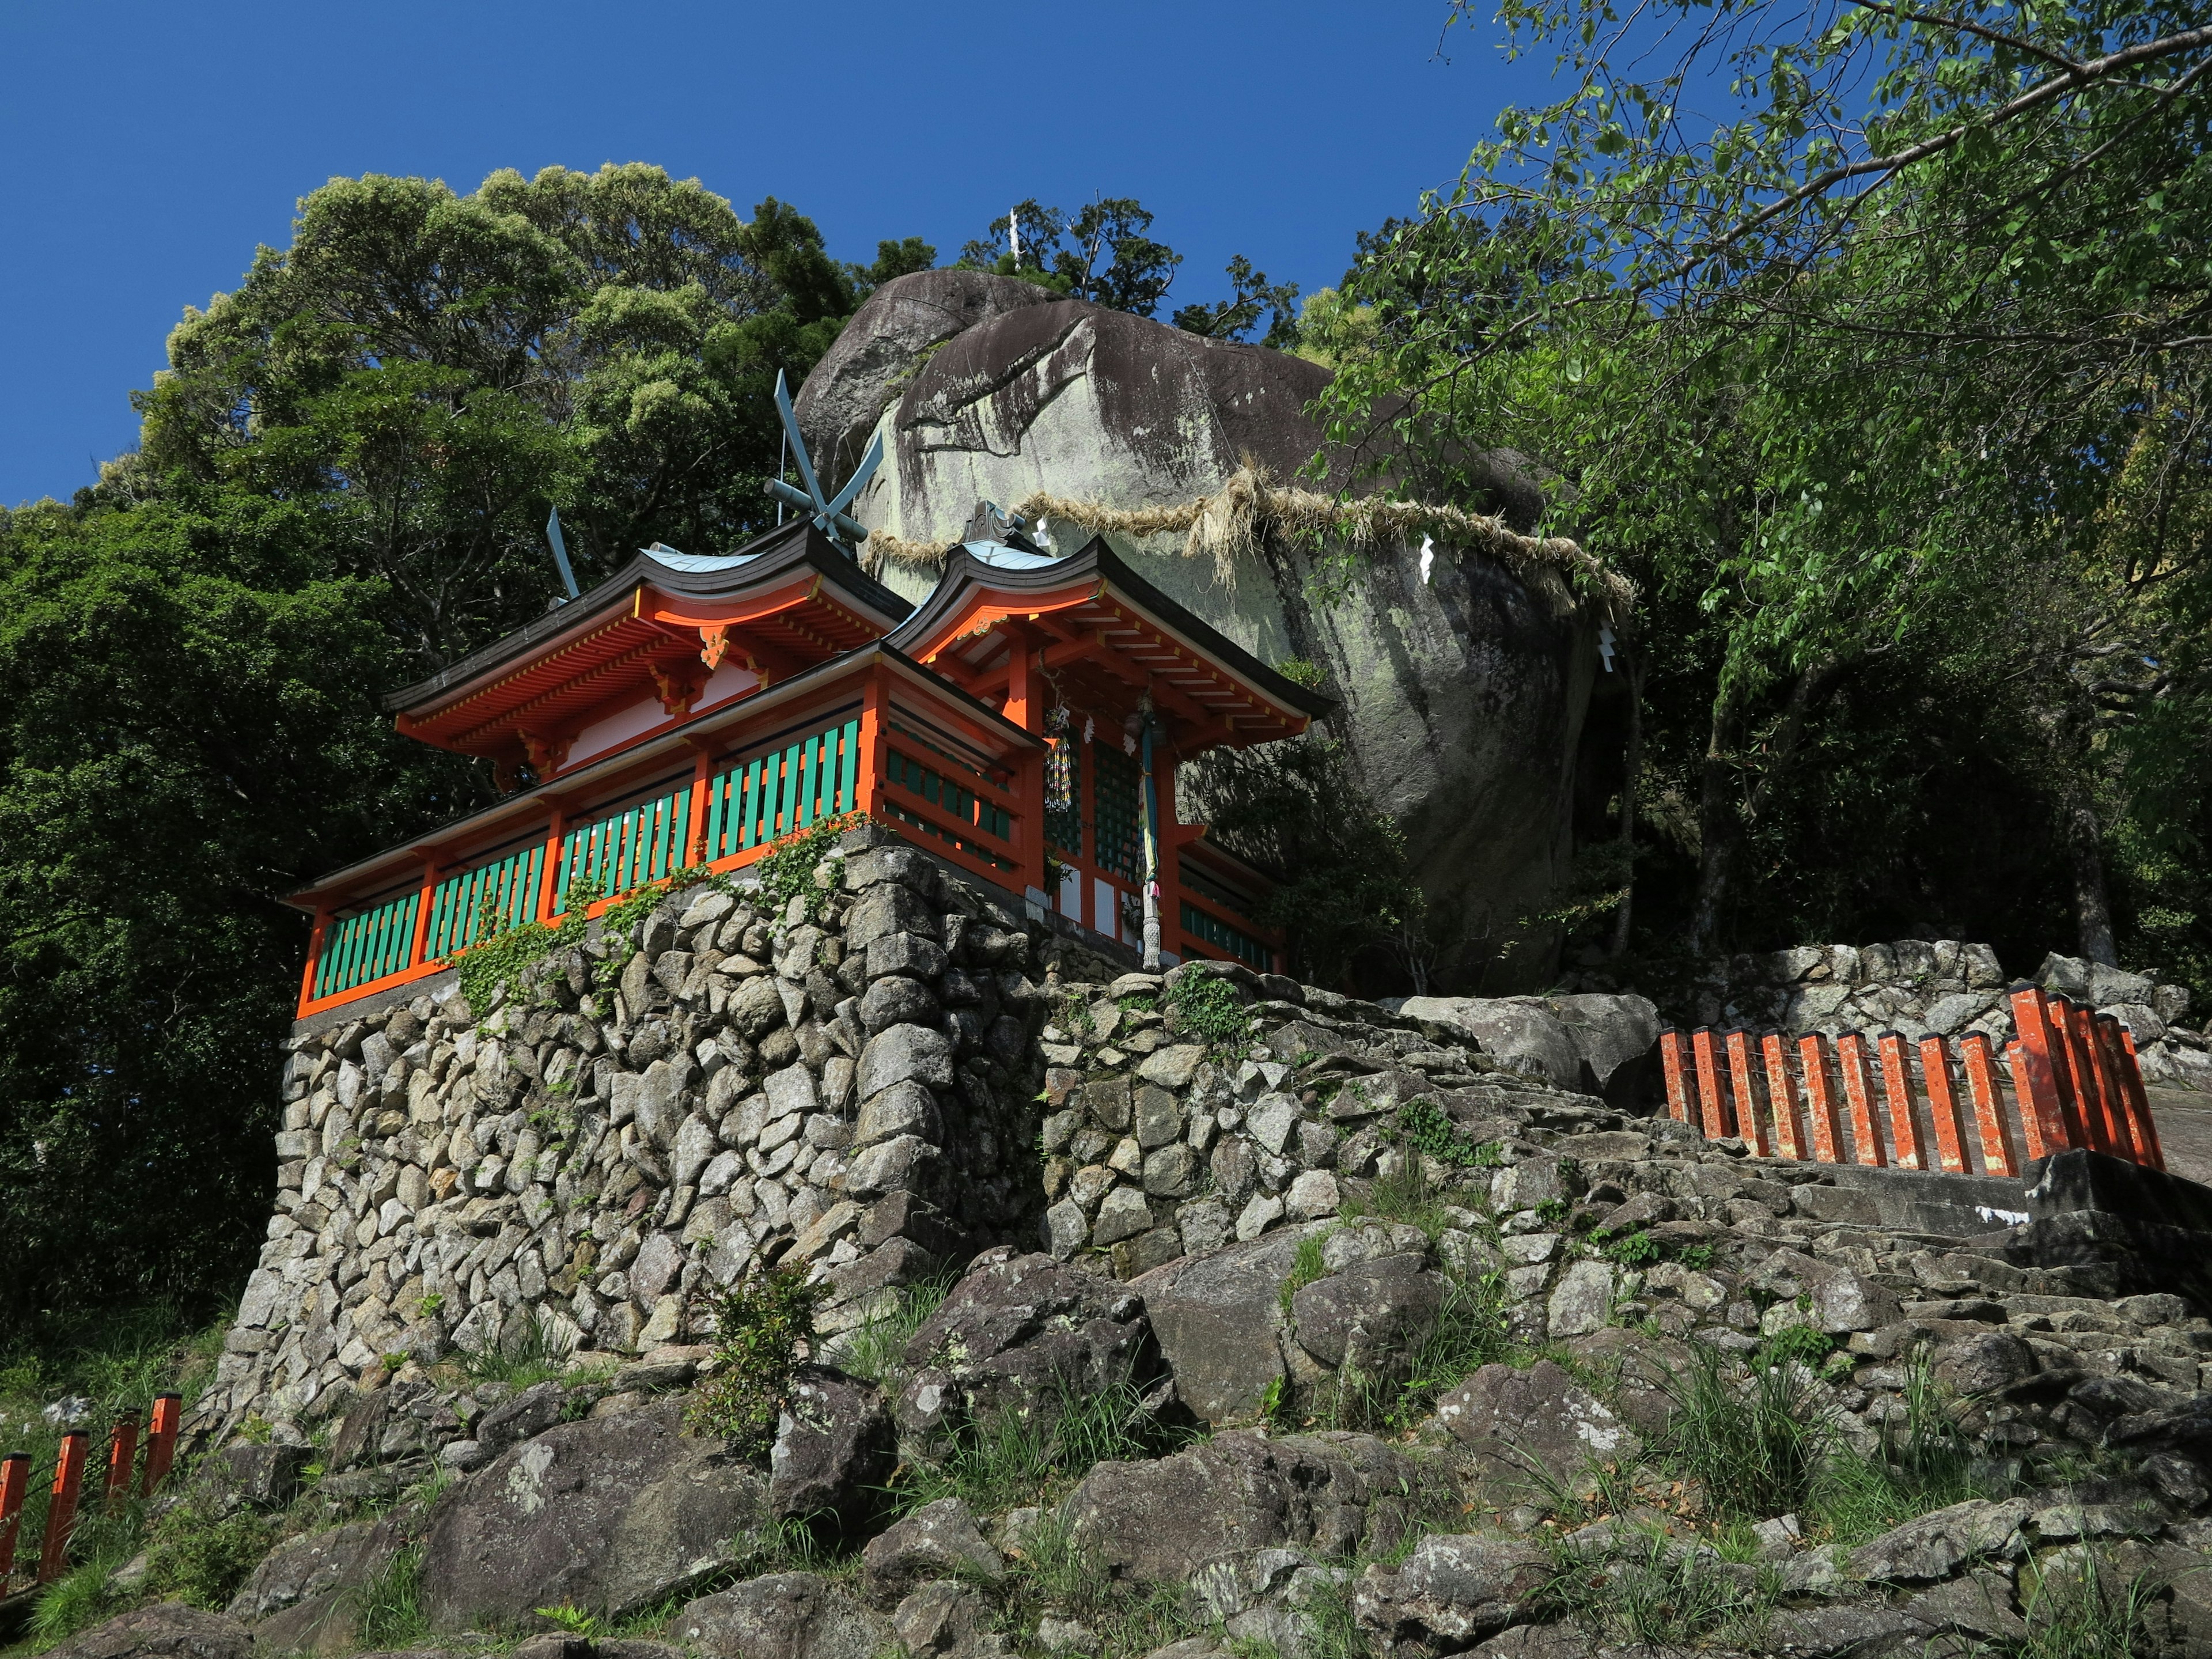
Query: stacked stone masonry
{"points": [[848, 1084]]}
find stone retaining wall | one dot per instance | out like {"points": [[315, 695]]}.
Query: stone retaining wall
{"points": [[851, 1083]]}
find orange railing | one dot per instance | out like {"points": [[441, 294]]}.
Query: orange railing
{"points": [[1935, 1103], [67, 1484]]}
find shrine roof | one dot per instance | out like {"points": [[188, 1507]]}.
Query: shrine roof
{"points": [[1096, 616], [797, 597]]}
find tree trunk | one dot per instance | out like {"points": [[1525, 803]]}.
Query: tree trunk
{"points": [[2093, 909], [1721, 823], [1717, 821], [1632, 770]]}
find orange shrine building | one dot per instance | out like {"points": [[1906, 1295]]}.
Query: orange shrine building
{"points": [[691, 710]]}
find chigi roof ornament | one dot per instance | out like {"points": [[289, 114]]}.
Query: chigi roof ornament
{"points": [[827, 512]]}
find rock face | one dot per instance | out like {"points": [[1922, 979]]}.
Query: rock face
{"points": [[1159, 1522], [786, 1615], [169, 1630], [1463, 687], [1596, 1044], [615, 1513]]}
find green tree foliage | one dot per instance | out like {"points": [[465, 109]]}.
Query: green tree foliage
{"points": [[1252, 296], [1888, 380], [342, 480], [1104, 253]]}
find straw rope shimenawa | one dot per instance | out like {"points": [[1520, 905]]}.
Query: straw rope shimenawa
{"points": [[1235, 519]]}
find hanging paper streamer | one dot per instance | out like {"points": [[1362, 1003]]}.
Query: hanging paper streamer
{"points": [[1059, 763]]}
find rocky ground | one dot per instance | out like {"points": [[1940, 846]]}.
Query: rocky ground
{"points": [[1533, 1376]]}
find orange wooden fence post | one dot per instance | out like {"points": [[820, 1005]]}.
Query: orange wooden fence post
{"points": [[14, 1487], [2000, 1152], [121, 1456], [1858, 1093], [1897, 1089], [1820, 1099], [2077, 1085], [161, 1444], [1782, 1097], [2141, 1097], [1749, 1121], [2111, 1113], [1710, 1099], [2116, 1062], [2036, 1076], [1670, 1062], [1943, 1104], [61, 1514]]}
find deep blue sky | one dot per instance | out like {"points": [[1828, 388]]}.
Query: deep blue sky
{"points": [[150, 147]]}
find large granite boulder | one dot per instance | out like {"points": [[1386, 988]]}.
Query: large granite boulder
{"points": [[1219, 1317], [610, 1514], [167, 1630], [1596, 1045], [785, 1615], [1463, 684], [1158, 1523]]}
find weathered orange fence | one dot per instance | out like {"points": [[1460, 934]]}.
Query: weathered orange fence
{"points": [[2074, 1080], [70, 1464]]}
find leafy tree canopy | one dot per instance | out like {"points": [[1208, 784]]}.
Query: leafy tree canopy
{"points": [[1888, 378], [342, 480]]}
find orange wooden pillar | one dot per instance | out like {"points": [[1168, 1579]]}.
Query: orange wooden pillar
{"points": [[1748, 1122], [1678, 1083], [1712, 1105], [2000, 1152], [2119, 1065], [1782, 1097], [314, 954], [161, 1444], [1820, 1099], [1024, 707], [2077, 1085], [548, 877], [429, 891], [2036, 1076], [14, 1487], [122, 1458], [2141, 1097], [2108, 1116], [1858, 1094], [875, 726], [695, 831], [61, 1513], [1943, 1104], [1897, 1089]]}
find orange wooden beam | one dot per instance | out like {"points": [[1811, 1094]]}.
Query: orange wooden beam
{"points": [[1943, 1104], [1677, 1090], [1820, 1099], [1782, 1097], [1858, 1094], [1897, 1089], [1748, 1122]]}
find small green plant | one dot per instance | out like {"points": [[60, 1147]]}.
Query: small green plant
{"points": [[388, 1606], [1652, 1593], [1635, 1249], [1209, 1007], [201, 1556], [257, 1429], [1139, 1005], [76, 1601], [573, 1620], [759, 1324], [787, 871], [1306, 1266], [533, 1350], [1010, 1457], [1795, 1344], [430, 1306], [1403, 1195], [1422, 1126], [1757, 1445], [1696, 1257], [2078, 1606], [875, 1353], [1553, 1211]]}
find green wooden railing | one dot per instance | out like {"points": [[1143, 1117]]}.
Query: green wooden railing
{"points": [[626, 849], [472, 904], [788, 789], [1203, 924], [358, 949]]}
